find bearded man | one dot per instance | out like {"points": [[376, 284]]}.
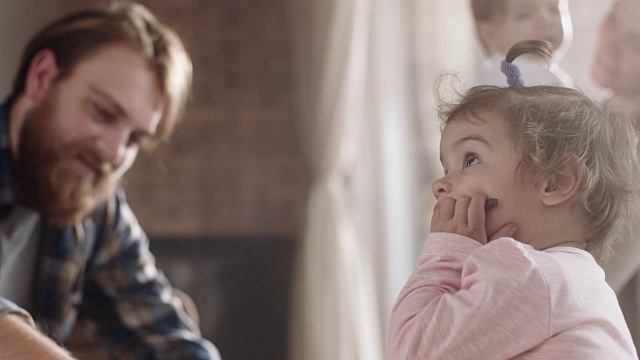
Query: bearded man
{"points": [[93, 89]]}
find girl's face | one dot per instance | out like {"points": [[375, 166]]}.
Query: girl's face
{"points": [[525, 20], [617, 61], [479, 157]]}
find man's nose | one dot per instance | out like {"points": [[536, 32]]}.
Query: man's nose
{"points": [[441, 187], [111, 145]]}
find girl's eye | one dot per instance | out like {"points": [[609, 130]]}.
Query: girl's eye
{"points": [[471, 160]]}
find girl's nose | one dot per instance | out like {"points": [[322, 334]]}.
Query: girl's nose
{"points": [[441, 187]]}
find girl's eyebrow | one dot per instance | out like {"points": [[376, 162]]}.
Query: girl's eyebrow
{"points": [[468, 138]]}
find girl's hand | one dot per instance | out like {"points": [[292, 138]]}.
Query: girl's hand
{"points": [[466, 216]]}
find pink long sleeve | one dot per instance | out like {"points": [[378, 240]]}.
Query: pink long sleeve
{"points": [[469, 301]]}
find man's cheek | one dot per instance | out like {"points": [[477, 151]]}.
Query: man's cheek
{"points": [[129, 158]]}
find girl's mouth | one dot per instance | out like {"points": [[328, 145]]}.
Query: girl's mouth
{"points": [[490, 204]]}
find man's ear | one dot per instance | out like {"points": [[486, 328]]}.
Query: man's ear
{"points": [[41, 74], [563, 184]]}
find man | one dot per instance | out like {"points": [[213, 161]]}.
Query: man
{"points": [[92, 89]]}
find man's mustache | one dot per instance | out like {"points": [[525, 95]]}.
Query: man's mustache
{"points": [[86, 152], [106, 169]]}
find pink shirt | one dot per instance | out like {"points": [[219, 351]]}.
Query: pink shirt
{"points": [[505, 300]]}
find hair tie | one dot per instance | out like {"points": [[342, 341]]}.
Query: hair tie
{"points": [[513, 74]]}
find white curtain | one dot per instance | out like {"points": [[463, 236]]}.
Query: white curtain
{"points": [[334, 310], [390, 153], [365, 69]]}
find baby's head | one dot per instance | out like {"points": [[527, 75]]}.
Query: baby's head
{"points": [[502, 23], [540, 147]]}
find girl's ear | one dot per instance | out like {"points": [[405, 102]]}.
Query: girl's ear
{"points": [[41, 74], [563, 184]]}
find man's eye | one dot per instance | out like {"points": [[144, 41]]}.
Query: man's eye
{"points": [[102, 113], [471, 160], [136, 139]]}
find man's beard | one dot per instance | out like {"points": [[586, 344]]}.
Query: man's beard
{"points": [[47, 174]]}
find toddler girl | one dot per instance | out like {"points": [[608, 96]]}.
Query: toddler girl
{"points": [[538, 183]]}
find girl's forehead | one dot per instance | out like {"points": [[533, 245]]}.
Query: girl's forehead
{"points": [[489, 133], [460, 126], [475, 117], [489, 124]]}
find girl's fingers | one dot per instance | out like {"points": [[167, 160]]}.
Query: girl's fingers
{"points": [[465, 216], [506, 231], [477, 212], [435, 218], [461, 211], [447, 209]]}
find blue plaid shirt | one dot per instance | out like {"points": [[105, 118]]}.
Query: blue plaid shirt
{"points": [[100, 271]]}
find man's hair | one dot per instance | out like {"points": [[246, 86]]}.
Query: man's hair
{"points": [[552, 126], [77, 36]]}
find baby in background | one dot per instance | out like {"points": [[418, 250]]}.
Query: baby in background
{"points": [[538, 183], [502, 23]]}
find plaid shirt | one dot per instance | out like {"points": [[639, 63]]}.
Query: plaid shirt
{"points": [[100, 271]]}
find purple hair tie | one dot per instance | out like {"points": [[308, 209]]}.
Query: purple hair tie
{"points": [[513, 74]]}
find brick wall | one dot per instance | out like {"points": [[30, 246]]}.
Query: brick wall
{"points": [[234, 166]]}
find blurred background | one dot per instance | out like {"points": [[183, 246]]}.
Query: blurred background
{"points": [[292, 202]]}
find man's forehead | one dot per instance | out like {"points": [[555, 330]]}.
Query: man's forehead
{"points": [[123, 77]]}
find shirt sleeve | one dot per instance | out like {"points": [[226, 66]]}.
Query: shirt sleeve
{"points": [[467, 300], [8, 307], [129, 304]]}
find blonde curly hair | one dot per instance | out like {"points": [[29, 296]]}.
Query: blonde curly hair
{"points": [[549, 124]]}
